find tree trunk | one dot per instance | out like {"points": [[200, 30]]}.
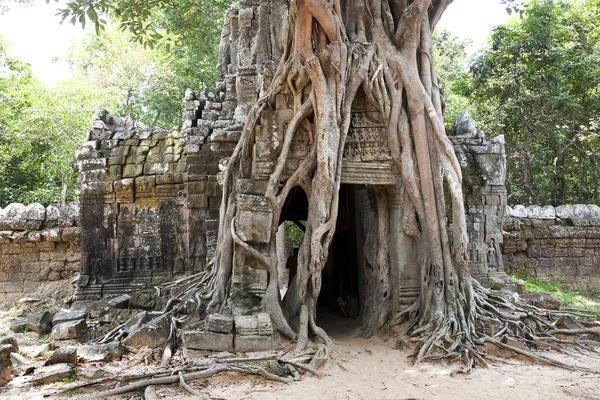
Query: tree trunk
{"points": [[333, 49]]}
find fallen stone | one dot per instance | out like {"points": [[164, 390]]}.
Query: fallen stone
{"points": [[69, 330], [18, 326], [11, 340], [36, 351], [41, 322], [142, 300], [542, 300], [254, 325], [253, 343], [119, 302], [152, 334], [219, 323], [6, 365], [202, 340], [68, 316], [100, 352], [568, 322], [51, 374], [63, 355], [89, 373]]}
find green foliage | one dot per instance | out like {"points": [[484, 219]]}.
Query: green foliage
{"points": [[294, 235], [138, 81], [40, 128], [190, 30], [588, 300], [452, 66], [538, 83]]}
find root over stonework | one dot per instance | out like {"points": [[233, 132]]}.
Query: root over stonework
{"points": [[382, 48]]}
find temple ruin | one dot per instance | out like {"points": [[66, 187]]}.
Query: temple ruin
{"points": [[149, 199]]}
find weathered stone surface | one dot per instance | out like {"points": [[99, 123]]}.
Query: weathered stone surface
{"points": [[152, 334], [253, 343], [67, 316], [69, 330], [89, 374], [6, 365], [63, 355], [10, 340], [36, 351], [212, 341], [51, 374], [219, 323], [100, 352], [120, 301], [542, 300], [40, 322], [253, 325], [537, 212], [18, 326]]}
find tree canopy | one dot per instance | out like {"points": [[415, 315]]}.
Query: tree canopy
{"points": [[538, 82]]}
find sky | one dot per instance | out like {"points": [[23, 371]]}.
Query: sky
{"points": [[36, 36]]}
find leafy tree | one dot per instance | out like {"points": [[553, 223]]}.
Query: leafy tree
{"points": [[40, 128], [142, 82], [190, 30], [538, 83], [452, 65]]}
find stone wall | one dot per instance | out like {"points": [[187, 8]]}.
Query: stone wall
{"points": [[483, 164], [559, 244], [38, 246]]}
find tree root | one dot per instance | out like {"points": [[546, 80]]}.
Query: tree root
{"points": [[181, 378]]}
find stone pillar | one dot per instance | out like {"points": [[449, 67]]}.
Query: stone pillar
{"points": [[483, 165]]}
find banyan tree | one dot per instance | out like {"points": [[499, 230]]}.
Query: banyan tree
{"points": [[333, 112]]}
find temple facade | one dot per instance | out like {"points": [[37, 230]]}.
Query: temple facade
{"points": [[149, 199]]}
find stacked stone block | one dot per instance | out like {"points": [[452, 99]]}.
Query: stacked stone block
{"points": [[483, 165], [37, 244], [558, 244]]}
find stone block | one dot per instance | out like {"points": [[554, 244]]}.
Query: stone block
{"points": [[219, 323], [244, 344], [63, 355], [67, 316], [156, 168], [212, 341], [152, 334], [40, 322], [132, 171], [124, 188], [71, 234], [197, 201], [6, 365], [253, 325], [51, 374], [100, 352], [69, 330], [145, 184]]}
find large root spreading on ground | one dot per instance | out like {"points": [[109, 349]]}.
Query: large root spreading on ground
{"points": [[384, 48]]}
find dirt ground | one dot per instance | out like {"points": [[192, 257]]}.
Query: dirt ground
{"points": [[371, 369]]}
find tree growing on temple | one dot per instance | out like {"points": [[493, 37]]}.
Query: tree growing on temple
{"points": [[384, 49]]}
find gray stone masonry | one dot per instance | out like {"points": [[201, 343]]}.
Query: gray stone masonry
{"points": [[558, 244]]}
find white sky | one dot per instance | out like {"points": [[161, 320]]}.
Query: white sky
{"points": [[35, 35]]}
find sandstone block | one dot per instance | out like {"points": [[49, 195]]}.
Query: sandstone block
{"points": [[100, 352], [40, 322], [51, 374], [69, 330], [212, 341], [63, 355]]}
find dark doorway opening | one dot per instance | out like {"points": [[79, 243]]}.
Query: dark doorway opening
{"points": [[338, 305], [339, 295]]}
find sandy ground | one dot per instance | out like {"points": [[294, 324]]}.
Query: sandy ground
{"points": [[371, 369]]}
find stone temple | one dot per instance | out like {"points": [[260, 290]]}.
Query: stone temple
{"points": [[149, 199]]}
